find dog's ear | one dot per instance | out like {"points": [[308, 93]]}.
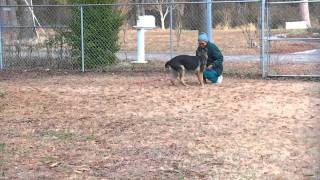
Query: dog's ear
{"points": [[206, 56], [205, 53]]}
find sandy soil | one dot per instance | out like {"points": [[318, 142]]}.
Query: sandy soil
{"points": [[135, 125]]}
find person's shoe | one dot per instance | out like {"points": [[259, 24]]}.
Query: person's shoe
{"points": [[219, 81]]}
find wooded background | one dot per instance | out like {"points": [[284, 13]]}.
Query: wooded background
{"points": [[185, 16]]}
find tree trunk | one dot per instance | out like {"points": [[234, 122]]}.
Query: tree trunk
{"points": [[162, 23], [12, 14], [178, 22], [304, 12], [25, 19], [195, 17], [2, 12], [140, 9], [203, 18]]}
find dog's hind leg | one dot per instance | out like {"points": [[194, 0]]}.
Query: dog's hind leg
{"points": [[182, 73], [174, 76]]}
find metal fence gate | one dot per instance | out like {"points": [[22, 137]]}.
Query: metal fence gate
{"points": [[292, 45]]}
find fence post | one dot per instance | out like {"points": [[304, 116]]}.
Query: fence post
{"points": [[262, 38], [1, 53], [209, 19], [82, 39], [171, 41], [267, 63]]}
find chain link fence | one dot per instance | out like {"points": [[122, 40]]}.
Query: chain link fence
{"points": [[293, 46], [90, 37], [30, 37]]}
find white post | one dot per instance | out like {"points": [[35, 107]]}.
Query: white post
{"points": [[144, 23], [140, 48], [262, 48]]}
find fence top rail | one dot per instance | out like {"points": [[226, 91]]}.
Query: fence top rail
{"points": [[128, 4], [152, 3], [292, 75], [239, 1], [292, 2], [44, 27], [293, 39]]}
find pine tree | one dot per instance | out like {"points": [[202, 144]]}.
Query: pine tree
{"points": [[101, 25]]}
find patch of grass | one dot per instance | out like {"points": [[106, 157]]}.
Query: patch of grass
{"points": [[2, 146], [19, 150], [297, 31], [56, 163], [128, 66], [89, 138], [2, 94], [48, 159], [68, 136], [65, 168], [3, 161], [61, 135]]}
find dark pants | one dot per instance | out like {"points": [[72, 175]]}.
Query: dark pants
{"points": [[211, 75]]}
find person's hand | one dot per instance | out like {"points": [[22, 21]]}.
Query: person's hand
{"points": [[210, 67]]}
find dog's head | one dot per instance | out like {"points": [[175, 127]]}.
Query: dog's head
{"points": [[203, 56]]}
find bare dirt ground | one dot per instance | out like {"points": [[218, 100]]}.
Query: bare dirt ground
{"points": [[135, 125]]}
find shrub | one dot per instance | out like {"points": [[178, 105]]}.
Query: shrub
{"points": [[101, 26]]}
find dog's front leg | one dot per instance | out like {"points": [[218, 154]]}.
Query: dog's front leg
{"points": [[172, 82], [204, 79], [200, 78]]}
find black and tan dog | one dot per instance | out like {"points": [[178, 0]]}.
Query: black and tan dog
{"points": [[182, 63]]}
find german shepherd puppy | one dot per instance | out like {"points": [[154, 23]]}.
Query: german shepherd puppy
{"points": [[179, 64]]}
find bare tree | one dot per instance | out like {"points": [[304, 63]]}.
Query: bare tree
{"points": [[163, 10], [25, 19], [304, 12], [8, 15], [249, 30], [12, 14], [140, 9], [124, 13], [178, 27], [203, 20], [195, 16], [2, 13]]}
